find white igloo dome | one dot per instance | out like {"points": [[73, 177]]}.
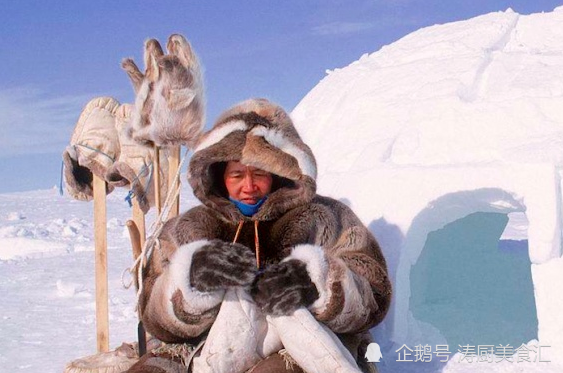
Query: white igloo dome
{"points": [[484, 90], [437, 141]]}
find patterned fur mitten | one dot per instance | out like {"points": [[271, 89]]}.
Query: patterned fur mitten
{"points": [[220, 265], [284, 287]]}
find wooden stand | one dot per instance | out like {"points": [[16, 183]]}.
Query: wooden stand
{"points": [[156, 173], [137, 233], [100, 241], [136, 228], [173, 165]]}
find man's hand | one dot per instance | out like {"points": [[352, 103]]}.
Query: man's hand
{"points": [[284, 287], [219, 265]]}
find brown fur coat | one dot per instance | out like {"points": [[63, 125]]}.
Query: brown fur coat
{"points": [[343, 258]]}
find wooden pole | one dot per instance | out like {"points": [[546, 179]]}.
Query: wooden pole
{"points": [[137, 233], [136, 228], [100, 242], [135, 236], [139, 219], [156, 171], [173, 165]]}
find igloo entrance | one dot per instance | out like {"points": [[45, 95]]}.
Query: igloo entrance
{"points": [[474, 288]]}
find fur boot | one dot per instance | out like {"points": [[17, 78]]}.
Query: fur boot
{"points": [[93, 148], [311, 344]]}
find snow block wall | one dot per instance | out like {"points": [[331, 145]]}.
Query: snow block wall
{"points": [[447, 133]]}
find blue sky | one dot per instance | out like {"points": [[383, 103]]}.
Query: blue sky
{"points": [[57, 55]]}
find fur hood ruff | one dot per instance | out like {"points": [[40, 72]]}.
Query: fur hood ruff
{"points": [[259, 134]]}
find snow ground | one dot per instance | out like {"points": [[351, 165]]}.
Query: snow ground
{"points": [[47, 316]]}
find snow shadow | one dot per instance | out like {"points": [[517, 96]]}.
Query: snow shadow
{"points": [[472, 287]]}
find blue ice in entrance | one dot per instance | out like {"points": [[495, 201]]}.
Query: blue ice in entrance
{"points": [[472, 287]]}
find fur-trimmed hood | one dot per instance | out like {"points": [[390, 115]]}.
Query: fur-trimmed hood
{"points": [[261, 134]]}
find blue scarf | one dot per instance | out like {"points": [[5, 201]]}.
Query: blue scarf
{"points": [[248, 210]]}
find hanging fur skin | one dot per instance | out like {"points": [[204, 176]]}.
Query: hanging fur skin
{"points": [[93, 148], [135, 168], [333, 268], [169, 104]]}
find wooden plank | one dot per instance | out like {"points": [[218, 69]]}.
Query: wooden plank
{"points": [[136, 246], [136, 228], [139, 219], [156, 172], [173, 165], [100, 241]]}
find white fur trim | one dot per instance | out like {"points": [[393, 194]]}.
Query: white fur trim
{"points": [[317, 267], [220, 133], [277, 139], [179, 272]]}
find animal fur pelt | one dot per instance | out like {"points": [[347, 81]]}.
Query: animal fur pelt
{"points": [[93, 148], [116, 361], [135, 167], [169, 104]]}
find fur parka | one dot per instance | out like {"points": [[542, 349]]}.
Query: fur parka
{"points": [[342, 257]]}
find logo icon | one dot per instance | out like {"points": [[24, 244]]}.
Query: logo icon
{"points": [[373, 353]]}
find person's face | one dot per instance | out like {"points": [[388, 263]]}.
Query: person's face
{"points": [[247, 184]]}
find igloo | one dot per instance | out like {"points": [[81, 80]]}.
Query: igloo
{"points": [[449, 145]]}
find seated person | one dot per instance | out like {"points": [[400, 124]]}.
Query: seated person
{"points": [[261, 247]]}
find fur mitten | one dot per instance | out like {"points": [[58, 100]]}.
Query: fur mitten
{"points": [[94, 147], [284, 287], [135, 165], [169, 107], [220, 265]]}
